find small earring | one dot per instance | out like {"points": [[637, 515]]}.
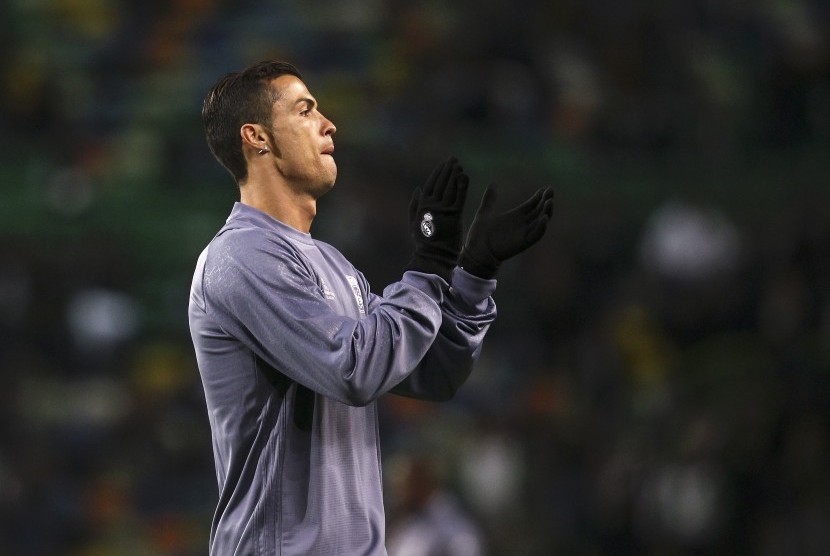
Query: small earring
{"points": [[263, 150]]}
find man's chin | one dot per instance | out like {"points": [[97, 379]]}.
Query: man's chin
{"points": [[324, 187]]}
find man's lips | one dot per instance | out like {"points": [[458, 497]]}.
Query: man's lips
{"points": [[328, 150]]}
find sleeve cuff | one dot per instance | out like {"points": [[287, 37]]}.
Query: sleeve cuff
{"points": [[472, 289]]}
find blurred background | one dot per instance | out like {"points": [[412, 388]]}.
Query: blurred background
{"points": [[658, 379]]}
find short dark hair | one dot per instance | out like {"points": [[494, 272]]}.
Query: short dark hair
{"points": [[236, 99]]}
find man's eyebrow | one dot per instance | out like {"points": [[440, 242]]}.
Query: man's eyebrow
{"points": [[307, 100]]}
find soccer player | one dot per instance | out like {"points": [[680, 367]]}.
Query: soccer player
{"points": [[293, 347]]}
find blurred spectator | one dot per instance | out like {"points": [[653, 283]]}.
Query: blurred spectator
{"points": [[429, 521]]}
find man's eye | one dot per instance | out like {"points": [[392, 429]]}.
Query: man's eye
{"points": [[305, 112]]}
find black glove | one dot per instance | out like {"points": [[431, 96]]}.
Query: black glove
{"points": [[494, 238], [435, 220]]}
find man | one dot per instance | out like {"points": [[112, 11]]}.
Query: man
{"points": [[292, 346]]}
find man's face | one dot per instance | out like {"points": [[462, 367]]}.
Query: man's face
{"points": [[302, 136]]}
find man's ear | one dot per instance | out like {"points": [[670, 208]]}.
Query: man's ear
{"points": [[255, 137]]}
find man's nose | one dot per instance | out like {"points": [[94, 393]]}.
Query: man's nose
{"points": [[328, 127]]}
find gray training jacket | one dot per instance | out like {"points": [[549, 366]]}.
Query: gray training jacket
{"points": [[293, 350]]}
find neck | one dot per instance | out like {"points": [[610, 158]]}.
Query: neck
{"points": [[276, 198]]}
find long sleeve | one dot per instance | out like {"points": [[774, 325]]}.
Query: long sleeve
{"points": [[467, 312], [262, 291]]}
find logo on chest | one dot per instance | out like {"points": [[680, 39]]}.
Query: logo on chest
{"points": [[357, 295], [327, 293]]}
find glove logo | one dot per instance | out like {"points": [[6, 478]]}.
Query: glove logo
{"points": [[427, 226]]}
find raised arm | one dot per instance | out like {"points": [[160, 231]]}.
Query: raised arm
{"points": [[265, 295]]}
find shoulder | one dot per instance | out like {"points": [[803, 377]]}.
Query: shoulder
{"points": [[246, 245], [242, 257]]}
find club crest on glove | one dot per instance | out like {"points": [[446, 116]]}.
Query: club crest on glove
{"points": [[427, 225]]}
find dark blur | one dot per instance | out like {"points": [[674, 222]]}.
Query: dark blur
{"points": [[658, 379]]}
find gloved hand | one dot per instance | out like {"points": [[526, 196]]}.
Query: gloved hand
{"points": [[494, 238], [435, 220]]}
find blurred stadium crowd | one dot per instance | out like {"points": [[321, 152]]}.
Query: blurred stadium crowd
{"points": [[658, 380]]}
